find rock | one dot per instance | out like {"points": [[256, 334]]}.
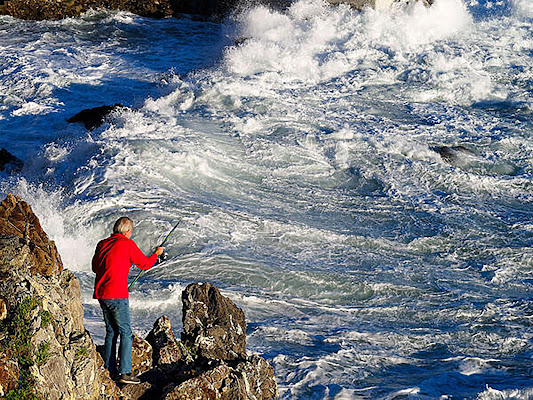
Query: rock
{"points": [[92, 118], [17, 218], [8, 162], [3, 310], [57, 9], [209, 385], [42, 335], [249, 379], [166, 349], [453, 154], [141, 355], [213, 326]]}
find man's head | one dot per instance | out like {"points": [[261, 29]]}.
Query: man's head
{"points": [[123, 225]]}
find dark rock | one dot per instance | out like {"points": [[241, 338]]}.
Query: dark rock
{"points": [[213, 326], [453, 154], [57, 9], [92, 118], [17, 218], [9, 163]]}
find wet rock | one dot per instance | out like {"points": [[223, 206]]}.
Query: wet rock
{"points": [[213, 326], [92, 118], [9, 163], [453, 154], [17, 218]]}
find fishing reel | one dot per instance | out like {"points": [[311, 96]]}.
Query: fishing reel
{"points": [[162, 258]]}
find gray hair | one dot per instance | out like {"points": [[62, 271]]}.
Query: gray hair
{"points": [[123, 225]]}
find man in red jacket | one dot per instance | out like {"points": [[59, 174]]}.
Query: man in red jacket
{"points": [[111, 263]]}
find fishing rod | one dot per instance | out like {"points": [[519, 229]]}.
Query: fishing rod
{"points": [[161, 245]]}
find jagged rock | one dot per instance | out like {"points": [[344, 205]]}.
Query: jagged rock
{"points": [[141, 356], [92, 118], [166, 349], [8, 162], [213, 326], [209, 385], [17, 218], [249, 379]]}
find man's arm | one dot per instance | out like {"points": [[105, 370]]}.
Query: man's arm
{"points": [[138, 258]]}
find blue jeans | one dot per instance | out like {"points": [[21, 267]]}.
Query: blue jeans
{"points": [[117, 323]]}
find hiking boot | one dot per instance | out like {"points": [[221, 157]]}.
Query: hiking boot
{"points": [[128, 378]]}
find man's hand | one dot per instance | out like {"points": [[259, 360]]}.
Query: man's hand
{"points": [[159, 251]]}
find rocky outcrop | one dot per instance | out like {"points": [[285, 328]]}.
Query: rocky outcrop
{"points": [[44, 346], [57, 9], [210, 362], [46, 351], [17, 219], [213, 326]]}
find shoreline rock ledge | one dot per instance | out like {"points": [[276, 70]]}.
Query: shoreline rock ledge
{"points": [[46, 352]]}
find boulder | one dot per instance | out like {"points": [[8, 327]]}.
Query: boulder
{"points": [[213, 326], [92, 118], [17, 219], [8, 162]]}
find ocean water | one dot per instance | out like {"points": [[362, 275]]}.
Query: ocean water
{"points": [[300, 150]]}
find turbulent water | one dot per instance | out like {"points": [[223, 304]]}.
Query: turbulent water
{"points": [[360, 183]]}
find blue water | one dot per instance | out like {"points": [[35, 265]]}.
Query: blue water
{"points": [[300, 150]]}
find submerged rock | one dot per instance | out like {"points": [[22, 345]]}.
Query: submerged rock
{"points": [[92, 118], [8, 162]]}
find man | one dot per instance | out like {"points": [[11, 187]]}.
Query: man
{"points": [[111, 263]]}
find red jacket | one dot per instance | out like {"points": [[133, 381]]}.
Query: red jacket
{"points": [[112, 261]]}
